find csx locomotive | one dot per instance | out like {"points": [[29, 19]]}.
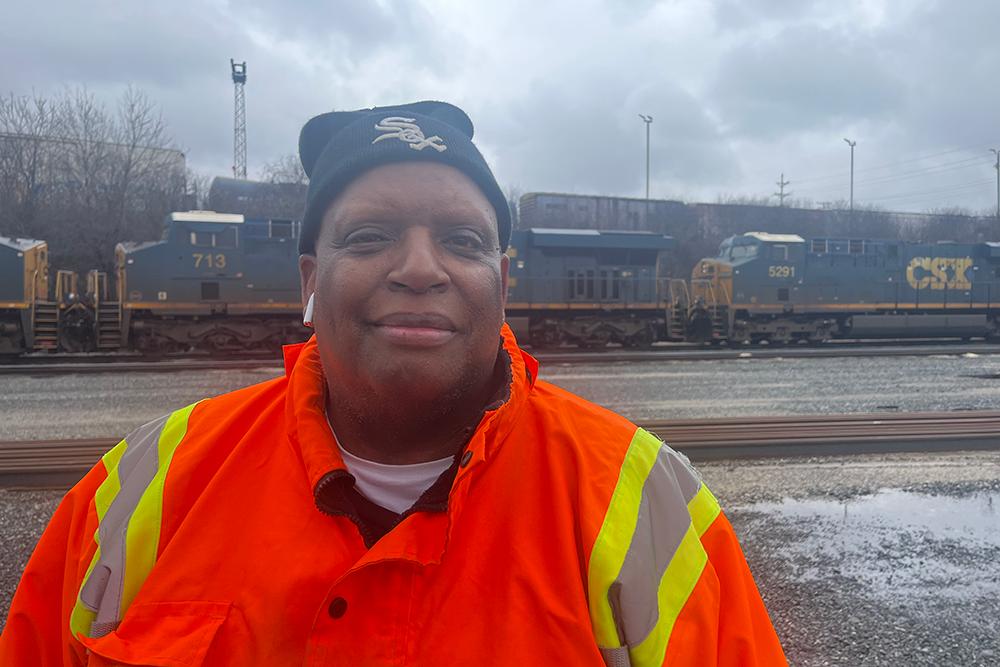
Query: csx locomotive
{"points": [[223, 282], [783, 288]]}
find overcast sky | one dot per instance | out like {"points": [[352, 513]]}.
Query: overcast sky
{"points": [[740, 90]]}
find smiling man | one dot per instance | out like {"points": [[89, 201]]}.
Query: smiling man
{"points": [[409, 493]]}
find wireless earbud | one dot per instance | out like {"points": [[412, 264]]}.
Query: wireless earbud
{"points": [[307, 315]]}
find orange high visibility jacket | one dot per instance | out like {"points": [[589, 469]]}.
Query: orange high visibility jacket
{"points": [[565, 536]]}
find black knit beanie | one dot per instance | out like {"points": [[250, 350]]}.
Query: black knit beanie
{"points": [[338, 147]]}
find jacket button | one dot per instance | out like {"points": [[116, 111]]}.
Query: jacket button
{"points": [[338, 607], [466, 457]]}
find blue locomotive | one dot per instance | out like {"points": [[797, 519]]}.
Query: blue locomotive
{"points": [[783, 288], [225, 282], [587, 287], [215, 281]]}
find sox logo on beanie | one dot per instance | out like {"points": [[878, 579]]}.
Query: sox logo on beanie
{"points": [[338, 147]]}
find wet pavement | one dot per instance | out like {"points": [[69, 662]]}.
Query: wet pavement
{"points": [[873, 560]]}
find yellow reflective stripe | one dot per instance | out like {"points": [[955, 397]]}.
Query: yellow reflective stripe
{"points": [[81, 618], [704, 509], [673, 592], [615, 536], [142, 538], [110, 487], [679, 580]]}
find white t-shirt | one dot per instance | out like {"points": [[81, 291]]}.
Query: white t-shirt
{"points": [[394, 487]]}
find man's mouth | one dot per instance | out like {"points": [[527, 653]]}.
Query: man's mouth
{"points": [[416, 329]]}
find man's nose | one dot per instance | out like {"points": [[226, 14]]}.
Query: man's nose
{"points": [[418, 264]]}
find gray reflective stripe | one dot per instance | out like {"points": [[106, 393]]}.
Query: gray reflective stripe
{"points": [[616, 657], [102, 592], [662, 523]]}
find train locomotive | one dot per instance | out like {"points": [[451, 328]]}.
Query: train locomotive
{"points": [[215, 281], [782, 288], [220, 282]]}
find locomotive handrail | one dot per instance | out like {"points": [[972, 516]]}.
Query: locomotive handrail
{"points": [[34, 300]]}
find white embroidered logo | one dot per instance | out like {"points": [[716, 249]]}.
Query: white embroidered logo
{"points": [[406, 130]]}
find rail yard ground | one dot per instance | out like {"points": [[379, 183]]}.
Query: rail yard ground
{"points": [[109, 405], [863, 560]]}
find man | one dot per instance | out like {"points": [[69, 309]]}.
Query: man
{"points": [[409, 493]]}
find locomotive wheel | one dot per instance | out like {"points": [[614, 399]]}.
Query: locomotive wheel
{"points": [[544, 336], [642, 338]]}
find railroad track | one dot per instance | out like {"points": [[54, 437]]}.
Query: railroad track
{"points": [[61, 463], [677, 352]]}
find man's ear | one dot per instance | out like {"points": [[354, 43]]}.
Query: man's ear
{"points": [[307, 276], [504, 275]]}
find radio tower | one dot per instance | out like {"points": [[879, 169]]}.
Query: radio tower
{"points": [[239, 119]]}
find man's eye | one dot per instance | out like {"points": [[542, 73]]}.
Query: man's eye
{"points": [[466, 241], [365, 238]]}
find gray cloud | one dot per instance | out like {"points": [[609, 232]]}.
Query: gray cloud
{"points": [[738, 90], [804, 78]]}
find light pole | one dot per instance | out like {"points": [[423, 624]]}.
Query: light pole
{"points": [[648, 120], [852, 144], [997, 167]]}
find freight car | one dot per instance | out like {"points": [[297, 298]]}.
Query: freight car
{"points": [[783, 288]]}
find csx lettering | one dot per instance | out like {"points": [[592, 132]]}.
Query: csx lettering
{"points": [[938, 272]]}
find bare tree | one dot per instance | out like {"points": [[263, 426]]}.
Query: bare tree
{"points": [[84, 178], [285, 169], [514, 193], [24, 165]]}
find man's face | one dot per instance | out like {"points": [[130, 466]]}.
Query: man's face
{"points": [[409, 283]]}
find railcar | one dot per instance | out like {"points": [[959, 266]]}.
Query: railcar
{"points": [[586, 287], [24, 284], [215, 281], [784, 288]]}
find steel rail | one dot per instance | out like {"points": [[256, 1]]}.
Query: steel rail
{"points": [[132, 364], [61, 463]]}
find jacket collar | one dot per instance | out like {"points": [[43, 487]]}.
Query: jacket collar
{"points": [[305, 409]]}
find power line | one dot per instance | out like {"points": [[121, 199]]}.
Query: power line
{"points": [[886, 165], [933, 169]]}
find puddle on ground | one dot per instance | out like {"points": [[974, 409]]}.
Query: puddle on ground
{"points": [[895, 543]]}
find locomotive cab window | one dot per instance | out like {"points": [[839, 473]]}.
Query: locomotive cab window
{"points": [[779, 252], [203, 239]]}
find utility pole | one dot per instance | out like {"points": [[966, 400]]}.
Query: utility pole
{"points": [[781, 194], [239, 71], [997, 167], [852, 144], [648, 120]]}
